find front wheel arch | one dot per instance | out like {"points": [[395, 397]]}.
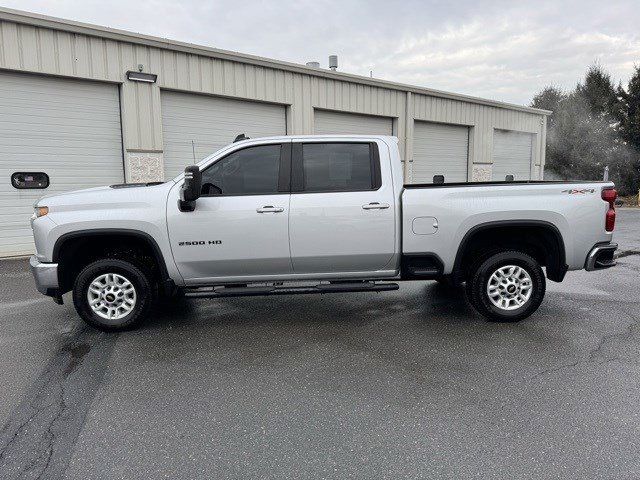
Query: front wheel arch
{"points": [[74, 250]]}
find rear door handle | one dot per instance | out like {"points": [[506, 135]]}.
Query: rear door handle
{"points": [[270, 209], [375, 206]]}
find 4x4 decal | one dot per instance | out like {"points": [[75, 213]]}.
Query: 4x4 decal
{"points": [[579, 191]]}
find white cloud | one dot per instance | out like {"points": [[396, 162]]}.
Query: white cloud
{"points": [[495, 49]]}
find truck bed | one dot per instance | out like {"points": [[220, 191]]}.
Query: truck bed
{"points": [[436, 217]]}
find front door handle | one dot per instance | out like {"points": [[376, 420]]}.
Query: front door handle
{"points": [[270, 209], [375, 206]]}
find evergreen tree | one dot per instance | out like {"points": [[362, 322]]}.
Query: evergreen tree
{"points": [[630, 111], [599, 92], [579, 143], [549, 99], [594, 126]]}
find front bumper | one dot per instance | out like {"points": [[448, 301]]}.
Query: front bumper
{"points": [[45, 276], [601, 256]]}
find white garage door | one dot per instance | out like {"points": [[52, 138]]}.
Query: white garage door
{"points": [[440, 149], [512, 153], [211, 123], [339, 123], [68, 129]]}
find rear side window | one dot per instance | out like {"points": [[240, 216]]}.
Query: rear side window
{"points": [[251, 171], [335, 167]]}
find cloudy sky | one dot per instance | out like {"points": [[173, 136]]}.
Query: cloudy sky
{"points": [[504, 50]]}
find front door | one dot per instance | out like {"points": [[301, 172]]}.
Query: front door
{"points": [[239, 227], [342, 217]]}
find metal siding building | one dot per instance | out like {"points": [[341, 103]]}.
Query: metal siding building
{"points": [[202, 98]]}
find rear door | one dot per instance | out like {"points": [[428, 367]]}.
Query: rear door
{"points": [[342, 217]]}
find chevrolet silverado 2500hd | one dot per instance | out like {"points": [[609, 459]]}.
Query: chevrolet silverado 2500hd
{"points": [[314, 214]]}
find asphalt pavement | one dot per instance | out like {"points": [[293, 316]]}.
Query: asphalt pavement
{"points": [[406, 384]]}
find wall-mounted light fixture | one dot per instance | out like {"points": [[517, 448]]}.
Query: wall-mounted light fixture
{"points": [[141, 77]]}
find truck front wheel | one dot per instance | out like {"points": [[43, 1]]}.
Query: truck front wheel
{"points": [[506, 287], [112, 294]]}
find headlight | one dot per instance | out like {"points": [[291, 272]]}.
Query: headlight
{"points": [[40, 211]]}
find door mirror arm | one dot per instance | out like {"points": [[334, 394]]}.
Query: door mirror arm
{"points": [[191, 188]]}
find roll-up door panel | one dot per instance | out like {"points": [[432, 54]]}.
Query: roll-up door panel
{"points": [[68, 129], [512, 154], [440, 149], [195, 126]]}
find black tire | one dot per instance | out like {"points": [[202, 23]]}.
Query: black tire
{"points": [[139, 303], [505, 294]]}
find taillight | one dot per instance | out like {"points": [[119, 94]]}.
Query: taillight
{"points": [[609, 195]]}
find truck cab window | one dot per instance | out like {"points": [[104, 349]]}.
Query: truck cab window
{"points": [[251, 171], [337, 167]]}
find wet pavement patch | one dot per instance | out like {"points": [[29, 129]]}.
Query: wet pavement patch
{"points": [[38, 440]]}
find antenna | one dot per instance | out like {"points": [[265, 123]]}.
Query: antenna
{"points": [[241, 137], [193, 150]]}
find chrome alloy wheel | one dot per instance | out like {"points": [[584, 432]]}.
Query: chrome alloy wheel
{"points": [[509, 287], [111, 296]]}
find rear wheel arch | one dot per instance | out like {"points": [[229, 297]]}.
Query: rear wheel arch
{"points": [[540, 239]]}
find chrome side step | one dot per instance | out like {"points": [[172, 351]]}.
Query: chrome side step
{"points": [[333, 287]]}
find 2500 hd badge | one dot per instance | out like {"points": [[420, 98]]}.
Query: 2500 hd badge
{"points": [[201, 242]]}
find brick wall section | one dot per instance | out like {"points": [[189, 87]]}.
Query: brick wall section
{"points": [[144, 167], [481, 173]]}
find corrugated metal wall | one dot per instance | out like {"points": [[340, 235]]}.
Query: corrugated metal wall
{"points": [[56, 52], [329, 122], [482, 120]]}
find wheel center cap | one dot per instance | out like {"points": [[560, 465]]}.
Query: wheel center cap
{"points": [[110, 297], [511, 288]]}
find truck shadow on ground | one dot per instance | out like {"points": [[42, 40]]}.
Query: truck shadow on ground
{"points": [[428, 332], [426, 304]]}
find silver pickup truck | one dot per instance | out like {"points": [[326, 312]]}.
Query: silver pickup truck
{"points": [[314, 214]]}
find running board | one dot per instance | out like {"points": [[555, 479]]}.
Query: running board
{"points": [[338, 287]]}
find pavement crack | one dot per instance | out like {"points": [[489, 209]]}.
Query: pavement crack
{"points": [[39, 438], [51, 436], [555, 369], [17, 431], [596, 353], [605, 339]]}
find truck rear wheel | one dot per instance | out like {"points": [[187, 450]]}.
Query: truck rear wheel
{"points": [[112, 294], [507, 286]]}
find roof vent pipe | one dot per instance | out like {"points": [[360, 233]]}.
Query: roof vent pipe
{"points": [[333, 62], [313, 64]]}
